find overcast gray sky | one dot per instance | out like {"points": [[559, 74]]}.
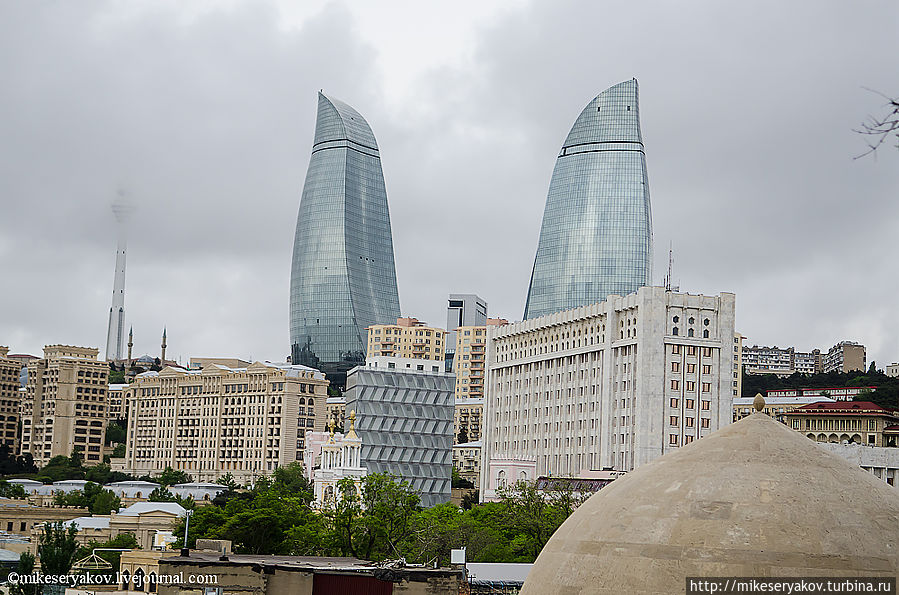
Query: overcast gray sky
{"points": [[204, 112]]}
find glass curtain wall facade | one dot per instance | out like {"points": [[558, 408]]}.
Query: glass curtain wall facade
{"points": [[343, 277], [596, 237]]}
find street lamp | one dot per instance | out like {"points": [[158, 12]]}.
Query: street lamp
{"points": [[185, 550]]}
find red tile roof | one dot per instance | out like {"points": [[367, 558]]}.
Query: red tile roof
{"points": [[844, 408]]}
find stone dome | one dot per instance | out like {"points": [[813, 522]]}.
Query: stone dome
{"points": [[752, 499]]}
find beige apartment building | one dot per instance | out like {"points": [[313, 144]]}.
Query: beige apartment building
{"points": [[115, 406], [10, 400], [244, 421], [468, 363], [65, 404], [467, 461], [468, 366], [468, 417], [408, 338], [845, 356]]}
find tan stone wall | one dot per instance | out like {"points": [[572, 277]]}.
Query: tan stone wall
{"points": [[247, 579], [853, 358], [20, 520]]}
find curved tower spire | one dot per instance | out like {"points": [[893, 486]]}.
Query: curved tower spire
{"points": [[343, 277], [596, 238]]}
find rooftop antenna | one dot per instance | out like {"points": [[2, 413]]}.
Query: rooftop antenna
{"points": [[668, 284]]}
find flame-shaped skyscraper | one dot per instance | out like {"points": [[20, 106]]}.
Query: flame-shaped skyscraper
{"points": [[343, 277], [596, 238]]}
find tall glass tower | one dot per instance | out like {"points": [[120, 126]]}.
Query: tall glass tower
{"points": [[596, 238], [343, 277]]}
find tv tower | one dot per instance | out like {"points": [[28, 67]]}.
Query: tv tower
{"points": [[122, 210]]}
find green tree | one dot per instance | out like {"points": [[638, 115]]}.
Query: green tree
{"points": [[528, 514], [56, 548], [105, 502], [171, 477], [291, 479], [61, 467], [163, 494], [374, 524], [11, 490], [459, 481], [227, 480], [102, 474], [26, 566], [93, 497], [120, 541], [116, 376], [119, 451], [115, 433], [463, 436], [205, 522]]}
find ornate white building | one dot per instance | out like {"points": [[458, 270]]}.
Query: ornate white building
{"points": [[341, 457]]}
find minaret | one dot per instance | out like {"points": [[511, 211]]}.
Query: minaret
{"points": [[130, 342], [114, 334], [162, 356]]}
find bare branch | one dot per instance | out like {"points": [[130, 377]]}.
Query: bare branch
{"points": [[881, 127]]}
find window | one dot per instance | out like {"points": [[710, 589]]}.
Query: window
{"points": [[690, 403], [706, 352], [675, 349], [675, 385], [688, 421], [691, 350], [672, 439], [691, 368], [673, 420], [706, 387], [705, 422], [688, 439], [675, 366], [689, 332], [705, 334], [674, 402], [676, 319], [674, 332], [692, 320], [691, 386], [706, 323], [706, 369]]}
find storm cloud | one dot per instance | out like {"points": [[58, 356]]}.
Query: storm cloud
{"points": [[204, 113]]}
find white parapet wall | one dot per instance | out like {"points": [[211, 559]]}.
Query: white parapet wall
{"points": [[882, 461]]}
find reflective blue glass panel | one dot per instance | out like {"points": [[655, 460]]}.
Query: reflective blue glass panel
{"points": [[596, 237], [343, 276]]}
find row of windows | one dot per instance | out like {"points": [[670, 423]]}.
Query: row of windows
{"points": [[690, 386], [689, 403]]}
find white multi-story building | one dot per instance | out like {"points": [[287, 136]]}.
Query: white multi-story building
{"points": [[610, 385]]}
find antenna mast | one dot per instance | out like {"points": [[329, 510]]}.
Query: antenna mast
{"points": [[668, 282]]}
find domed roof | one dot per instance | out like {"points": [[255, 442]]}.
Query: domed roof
{"points": [[752, 499]]}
